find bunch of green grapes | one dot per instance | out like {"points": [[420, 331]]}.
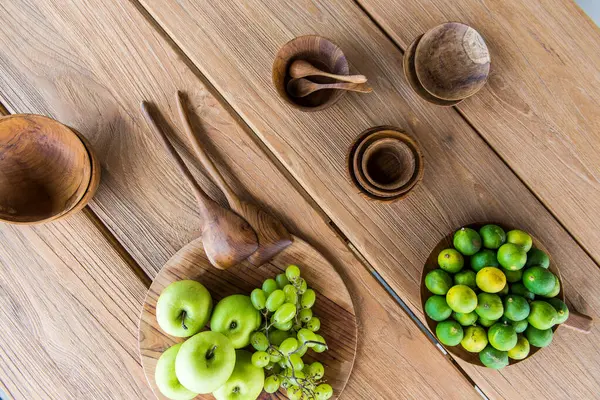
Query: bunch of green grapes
{"points": [[288, 331]]}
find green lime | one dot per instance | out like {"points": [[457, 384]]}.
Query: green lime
{"points": [[502, 336], [449, 332], [539, 280], [492, 236], [538, 337], [520, 238], [521, 349], [467, 241], [561, 310], [461, 299], [493, 358], [450, 260], [484, 258], [543, 315], [520, 326], [475, 339], [489, 306], [537, 257], [504, 291], [521, 290], [437, 309], [465, 319], [490, 279], [486, 322], [556, 289], [438, 281], [466, 278], [516, 308], [513, 276], [511, 256]]}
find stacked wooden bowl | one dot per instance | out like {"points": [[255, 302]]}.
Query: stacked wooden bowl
{"points": [[447, 64], [47, 170], [385, 163]]}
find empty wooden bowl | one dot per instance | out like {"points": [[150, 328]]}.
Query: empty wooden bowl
{"points": [[321, 53], [452, 61], [410, 73], [384, 163], [46, 171]]}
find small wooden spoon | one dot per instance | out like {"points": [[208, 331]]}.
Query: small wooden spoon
{"points": [[228, 239], [273, 237], [301, 69], [303, 87]]}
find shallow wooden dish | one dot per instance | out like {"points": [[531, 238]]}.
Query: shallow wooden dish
{"points": [[322, 54], [452, 61], [356, 171], [432, 264], [333, 306], [408, 64], [45, 169]]}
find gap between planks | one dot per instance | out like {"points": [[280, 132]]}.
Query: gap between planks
{"points": [[466, 119], [273, 158]]}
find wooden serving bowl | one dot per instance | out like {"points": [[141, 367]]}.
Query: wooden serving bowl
{"points": [[45, 169], [408, 64], [452, 61], [377, 161], [321, 53], [432, 264]]}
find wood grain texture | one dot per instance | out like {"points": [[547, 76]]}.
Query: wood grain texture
{"points": [[333, 306], [147, 204], [68, 321], [539, 109], [464, 180]]}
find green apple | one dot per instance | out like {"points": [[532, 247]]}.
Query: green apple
{"points": [[183, 308], [235, 317], [205, 362], [245, 383], [166, 379]]}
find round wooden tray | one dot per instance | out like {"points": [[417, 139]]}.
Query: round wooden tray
{"points": [[333, 306], [432, 264]]}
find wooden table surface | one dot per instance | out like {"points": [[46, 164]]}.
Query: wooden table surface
{"points": [[522, 151]]}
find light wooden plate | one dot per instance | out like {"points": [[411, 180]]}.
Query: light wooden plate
{"points": [[333, 306]]}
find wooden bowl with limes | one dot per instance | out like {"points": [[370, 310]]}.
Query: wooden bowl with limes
{"points": [[576, 321]]}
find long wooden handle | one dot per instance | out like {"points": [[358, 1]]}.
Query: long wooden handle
{"points": [[345, 78], [232, 198], [201, 196], [353, 87], [579, 322]]}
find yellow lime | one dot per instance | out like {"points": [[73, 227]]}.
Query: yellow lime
{"points": [[461, 299], [474, 339], [450, 260], [520, 238], [490, 279], [543, 315], [521, 349]]}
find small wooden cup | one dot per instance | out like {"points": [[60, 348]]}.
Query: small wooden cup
{"points": [[452, 61], [46, 170], [321, 53], [385, 163], [577, 321]]}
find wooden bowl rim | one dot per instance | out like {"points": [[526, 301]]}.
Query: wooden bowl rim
{"points": [[400, 134], [81, 193], [446, 242], [410, 73], [281, 89], [377, 145], [419, 48]]}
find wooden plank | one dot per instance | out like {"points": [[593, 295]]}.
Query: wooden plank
{"points": [[69, 314], [53, 68], [539, 110], [234, 43]]}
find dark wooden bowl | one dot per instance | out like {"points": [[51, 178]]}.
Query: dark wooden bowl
{"points": [[321, 53], [372, 158], [452, 61], [432, 264], [408, 63], [46, 171]]}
